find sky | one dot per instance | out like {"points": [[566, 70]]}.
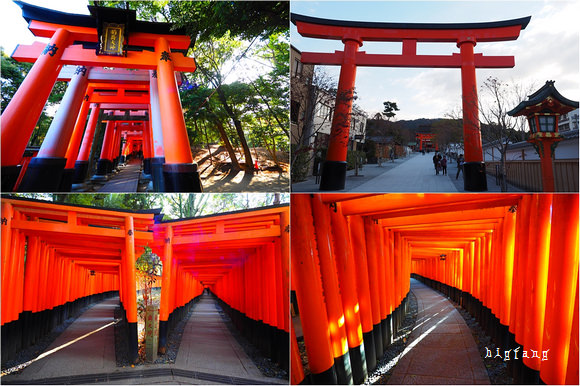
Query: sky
{"points": [[548, 49]]}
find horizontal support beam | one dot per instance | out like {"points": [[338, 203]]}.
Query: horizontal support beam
{"points": [[218, 237], [76, 230], [77, 55], [428, 61]]}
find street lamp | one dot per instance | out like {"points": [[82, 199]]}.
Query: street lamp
{"points": [[542, 110]]}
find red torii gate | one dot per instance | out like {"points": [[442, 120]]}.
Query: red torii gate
{"points": [[424, 138], [73, 39], [354, 33]]}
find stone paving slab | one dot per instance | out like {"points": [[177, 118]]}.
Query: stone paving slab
{"points": [[208, 354], [441, 349], [126, 181], [413, 174], [93, 354]]}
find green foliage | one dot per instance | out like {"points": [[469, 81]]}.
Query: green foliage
{"points": [[390, 108], [148, 267], [13, 74], [300, 165], [135, 201], [353, 158]]}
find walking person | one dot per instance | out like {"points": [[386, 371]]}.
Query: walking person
{"points": [[435, 161], [444, 165], [460, 162]]}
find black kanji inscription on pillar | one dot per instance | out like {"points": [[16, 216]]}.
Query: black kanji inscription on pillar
{"points": [[81, 70], [165, 56], [50, 49]]}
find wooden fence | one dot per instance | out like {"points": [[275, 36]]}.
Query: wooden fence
{"points": [[527, 175]]}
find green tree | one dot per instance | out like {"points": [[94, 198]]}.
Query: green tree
{"points": [[389, 110]]}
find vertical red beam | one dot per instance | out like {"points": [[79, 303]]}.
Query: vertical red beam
{"points": [[6, 234], [306, 276], [180, 173], [537, 281], [23, 111], [508, 247], [285, 260], [572, 369], [334, 168], [357, 238], [373, 272], [562, 277], [331, 288], [345, 267], [131, 287], [474, 167]]}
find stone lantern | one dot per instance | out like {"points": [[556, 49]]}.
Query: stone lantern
{"points": [[542, 110]]}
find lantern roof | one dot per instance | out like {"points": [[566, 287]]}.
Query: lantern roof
{"points": [[546, 98]]}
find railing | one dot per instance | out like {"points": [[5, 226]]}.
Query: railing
{"points": [[527, 175]]}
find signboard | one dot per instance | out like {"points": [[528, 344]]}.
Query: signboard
{"points": [[112, 39], [151, 332]]}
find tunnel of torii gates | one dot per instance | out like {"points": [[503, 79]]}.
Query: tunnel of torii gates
{"points": [[122, 64], [354, 33], [57, 258], [511, 260]]}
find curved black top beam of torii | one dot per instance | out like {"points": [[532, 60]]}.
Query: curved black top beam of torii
{"points": [[33, 12], [523, 22]]}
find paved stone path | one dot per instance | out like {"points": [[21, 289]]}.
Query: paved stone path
{"points": [[416, 174], [208, 354], [127, 180], [92, 354], [441, 349]]}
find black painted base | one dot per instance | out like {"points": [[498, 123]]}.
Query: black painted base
{"points": [[343, 369], [67, 180], [181, 178], [133, 342], [43, 175], [474, 178], [81, 168], [104, 167], [358, 364], [157, 174], [147, 166], [272, 342], [378, 338], [371, 357], [327, 377], [333, 175], [163, 332], [9, 177]]}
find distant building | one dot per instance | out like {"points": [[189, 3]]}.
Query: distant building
{"points": [[568, 121], [301, 103], [567, 149]]}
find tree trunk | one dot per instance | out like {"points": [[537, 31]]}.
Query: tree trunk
{"points": [[228, 145], [502, 167], [238, 125]]}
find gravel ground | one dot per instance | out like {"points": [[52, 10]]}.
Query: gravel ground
{"points": [[32, 352], [265, 365], [496, 368], [383, 372]]}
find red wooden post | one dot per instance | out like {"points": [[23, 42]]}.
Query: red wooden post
{"points": [[179, 171], [23, 111]]}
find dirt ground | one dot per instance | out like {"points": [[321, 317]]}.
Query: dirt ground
{"points": [[217, 175]]}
